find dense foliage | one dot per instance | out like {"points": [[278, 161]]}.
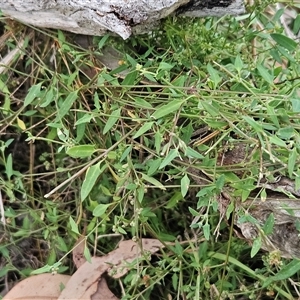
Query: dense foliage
{"points": [[135, 150]]}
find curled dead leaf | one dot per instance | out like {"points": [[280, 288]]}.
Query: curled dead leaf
{"points": [[38, 287], [84, 282], [103, 292]]}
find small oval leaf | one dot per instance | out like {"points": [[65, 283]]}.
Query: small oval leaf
{"points": [[153, 181], [33, 93], [112, 120], [185, 183], [67, 104], [171, 155], [21, 124], [74, 226], [90, 179], [100, 209], [81, 151], [147, 126], [167, 109]]}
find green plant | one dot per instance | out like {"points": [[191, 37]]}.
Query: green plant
{"points": [[139, 151]]}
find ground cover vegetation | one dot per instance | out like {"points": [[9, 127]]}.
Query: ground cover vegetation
{"points": [[137, 150]]}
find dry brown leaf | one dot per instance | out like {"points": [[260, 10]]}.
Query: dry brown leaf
{"points": [[38, 287], [78, 252], [84, 282], [103, 292], [133, 250]]}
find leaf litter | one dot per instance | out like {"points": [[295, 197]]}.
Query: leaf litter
{"points": [[88, 281]]}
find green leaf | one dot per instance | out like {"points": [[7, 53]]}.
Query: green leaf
{"points": [[121, 230], [126, 153], [46, 269], [3, 87], [284, 41], [97, 101], [287, 54], [49, 97], [285, 133], [292, 162], [276, 56], [74, 226], [153, 181], [231, 177], [33, 93], [238, 63], [153, 166], [175, 281], [229, 210], [90, 179], [9, 166], [105, 191], [149, 77], [296, 26], [206, 230], [61, 244], [214, 76], [295, 105], [193, 153], [220, 182], [256, 126], [81, 151], [286, 272], [147, 212], [61, 37], [214, 112], [100, 210], [263, 195], [273, 116], [165, 66], [173, 153], [206, 191], [112, 120], [158, 141], [5, 270], [174, 200], [265, 74], [277, 141], [131, 60], [215, 124], [111, 79], [269, 224], [147, 126], [256, 246], [277, 16], [167, 109], [66, 105], [194, 212], [85, 119], [184, 183], [103, 41], [131, 186], [140, 193], [130, 78], [87, 254], [180, 81], [140, 102]]}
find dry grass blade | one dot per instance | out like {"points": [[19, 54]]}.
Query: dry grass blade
{"points": [[11, 56]]}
